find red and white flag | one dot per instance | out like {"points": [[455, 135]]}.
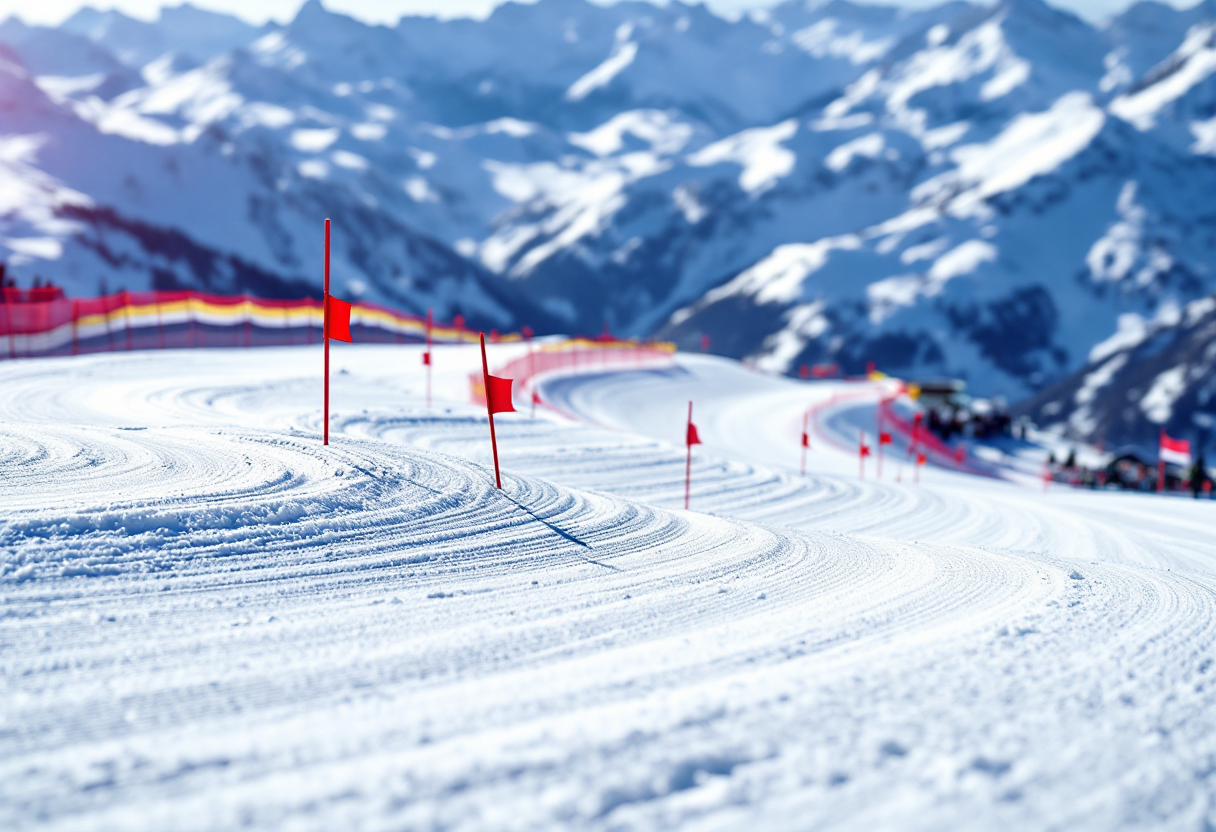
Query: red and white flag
{"points": [[1177, 451]]}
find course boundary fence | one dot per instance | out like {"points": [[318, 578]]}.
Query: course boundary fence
{"points": [[40, 323], [574, 355]]}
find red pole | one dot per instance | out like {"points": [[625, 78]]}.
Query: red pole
{"points": [[325, 334], [485, 379], [430, 357], [75, 322], [1160, 464], [879, 417], [861, 458], [805, 419], [688, 461]]}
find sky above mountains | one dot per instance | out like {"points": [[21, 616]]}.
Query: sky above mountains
{"points": [[388, 11]]}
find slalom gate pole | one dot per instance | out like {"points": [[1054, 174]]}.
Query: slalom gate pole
{"points": [[688, 460], [75, 325], [805, 418], [861, 457], [430, 355], [879, 413], [485, 380], [325, 335]]}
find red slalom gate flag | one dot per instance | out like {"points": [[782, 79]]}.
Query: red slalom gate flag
{"points": [[426, 356], [690, 438], [806, 439], [498, 394], [884, 439], [960, 454], [339, 320], [498, 400]]}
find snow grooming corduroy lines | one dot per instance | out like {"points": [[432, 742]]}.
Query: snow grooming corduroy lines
{"points": [[337, 327], [497, 390]]}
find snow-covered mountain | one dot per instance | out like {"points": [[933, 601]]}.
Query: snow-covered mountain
{"points": [[1143, 379], [987, 191]]}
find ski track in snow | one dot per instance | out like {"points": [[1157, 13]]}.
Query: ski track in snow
{"points": [[210, 621]]}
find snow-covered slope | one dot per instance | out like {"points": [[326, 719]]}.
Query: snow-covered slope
{"points": [[210, 620], [979, 191]]}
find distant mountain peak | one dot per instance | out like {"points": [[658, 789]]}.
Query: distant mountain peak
{"points": [[312, 10]]}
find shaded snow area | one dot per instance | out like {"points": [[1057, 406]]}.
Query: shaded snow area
{"points": [[210, 621]]}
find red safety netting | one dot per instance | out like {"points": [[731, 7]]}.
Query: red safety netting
{"points": [[43, 322], [576, 355]]}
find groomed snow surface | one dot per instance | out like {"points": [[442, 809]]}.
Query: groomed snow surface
{"points": [[208, 621]]}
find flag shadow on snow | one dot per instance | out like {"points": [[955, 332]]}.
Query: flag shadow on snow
{"points": [[565, 535]]}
